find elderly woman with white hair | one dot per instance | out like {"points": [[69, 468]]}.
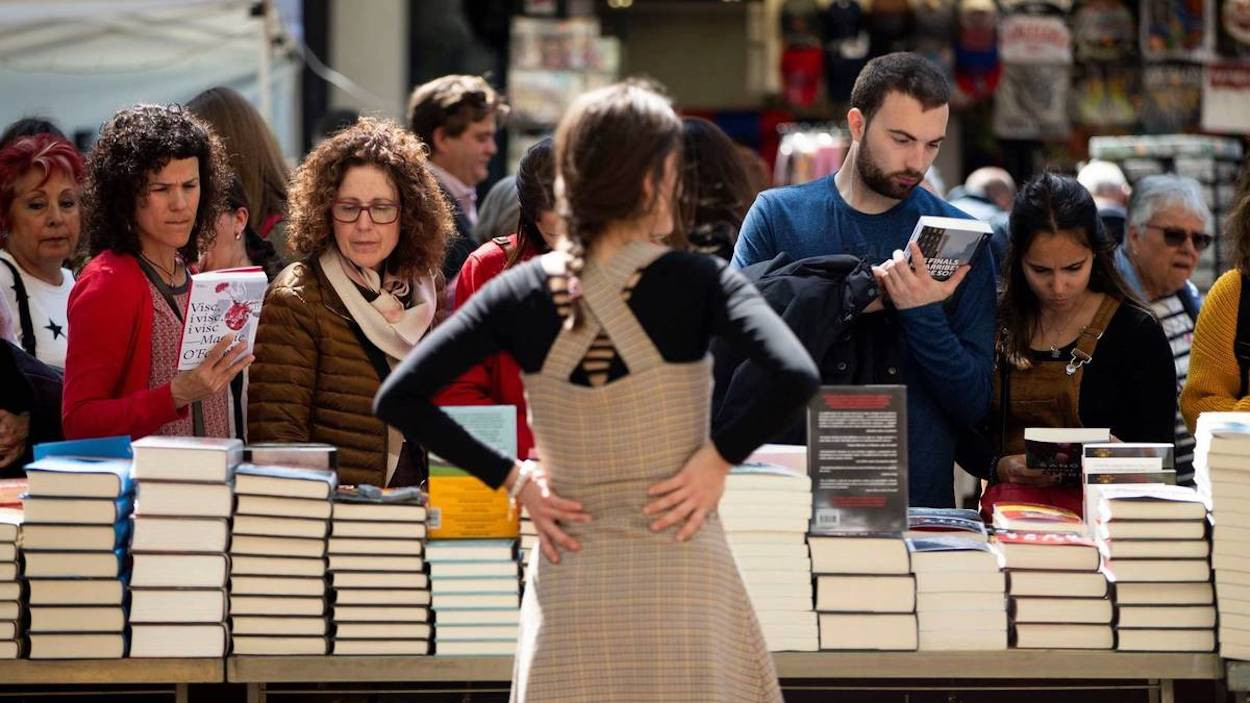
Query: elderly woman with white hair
{"points": [[1168, 228], [30, 406]]}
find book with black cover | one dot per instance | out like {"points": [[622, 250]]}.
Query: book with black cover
{"points": [[1058, 450], [948, 242], [857, 458]]}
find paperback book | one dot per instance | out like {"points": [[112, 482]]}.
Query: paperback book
{"points": [[221, 303]]}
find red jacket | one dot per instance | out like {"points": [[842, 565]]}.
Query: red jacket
{"points": [[110, 354], [497, 380]]}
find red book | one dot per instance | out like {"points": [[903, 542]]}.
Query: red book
{"points": [[1028, 517]]}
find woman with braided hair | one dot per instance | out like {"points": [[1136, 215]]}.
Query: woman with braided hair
{"points": [[634, 594]]}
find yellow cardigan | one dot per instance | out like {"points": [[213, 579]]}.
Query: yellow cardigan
{"points": [[1214, 376]]}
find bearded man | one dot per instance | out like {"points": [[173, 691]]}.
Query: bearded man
{"points": [[936, 337]]}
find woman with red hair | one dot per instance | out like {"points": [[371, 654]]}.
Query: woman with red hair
{"points": [[40, 183]]}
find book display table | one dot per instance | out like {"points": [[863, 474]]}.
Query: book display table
{"points": [[802, 671], [174, 675]]}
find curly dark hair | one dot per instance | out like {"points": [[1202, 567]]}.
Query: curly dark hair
{"points": [[137, 142], [424, 218]]}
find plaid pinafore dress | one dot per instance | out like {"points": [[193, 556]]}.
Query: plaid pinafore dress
{"points": [[634, 616]]}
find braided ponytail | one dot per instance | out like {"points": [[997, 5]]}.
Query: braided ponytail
{"points": [[609, 143]]}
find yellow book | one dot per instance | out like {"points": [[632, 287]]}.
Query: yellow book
{"points": [[461, 506]]}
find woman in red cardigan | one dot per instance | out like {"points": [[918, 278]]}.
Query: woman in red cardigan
{"points": [[154, 188], [497, 381]]}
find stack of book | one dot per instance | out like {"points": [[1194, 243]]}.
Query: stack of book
{"points": [[382, 597], [178, 604], [865, 592], [528, 542], [960, 599], [765, 512], [1058, 597], [76, 524], [1153, 540], [1222, 476], [277, 553], [11, 611], [1229, 425], [476, 596]]}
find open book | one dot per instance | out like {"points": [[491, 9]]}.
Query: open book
{"points": [[948, 242], [221, 302]]}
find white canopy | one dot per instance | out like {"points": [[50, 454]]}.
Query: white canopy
{"points": [[77, 62]]}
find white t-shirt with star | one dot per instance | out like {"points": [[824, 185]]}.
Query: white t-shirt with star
{"points": [[48, 304]]}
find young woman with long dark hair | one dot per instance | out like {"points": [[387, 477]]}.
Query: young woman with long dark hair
{"points": [[1074, 347], [634, 594]]}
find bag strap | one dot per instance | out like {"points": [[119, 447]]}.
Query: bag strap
{"points": [[23, 309], [1241, 342]]}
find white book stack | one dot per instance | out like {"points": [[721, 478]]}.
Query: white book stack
{"points": [[277, 560], [1153, 542], [865, 593], [1057, 597], [765, 512], [11, 616], [527, 543], [1222, 476], [76, 520], [475, 596], [960, 599], [377, 570], [178, 605]]}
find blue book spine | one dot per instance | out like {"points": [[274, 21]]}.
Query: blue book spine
{"points": [[103, 447]]}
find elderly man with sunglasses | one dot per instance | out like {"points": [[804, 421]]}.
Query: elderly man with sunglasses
{"points": [[1168, 229]]}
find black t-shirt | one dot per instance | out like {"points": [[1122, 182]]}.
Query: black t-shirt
{"points": [[682, 300]]}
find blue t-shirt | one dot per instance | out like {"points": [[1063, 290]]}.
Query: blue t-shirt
{"points": [[947, 356]]}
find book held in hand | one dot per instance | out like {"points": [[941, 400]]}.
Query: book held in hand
{"points": [[221, 303], [1059, 450], [948, 242]]}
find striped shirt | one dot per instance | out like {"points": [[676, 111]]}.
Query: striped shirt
{"points": [[1180, 333]]}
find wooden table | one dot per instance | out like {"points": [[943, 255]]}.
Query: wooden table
{"points": [[177, 673], [1160, 670]]}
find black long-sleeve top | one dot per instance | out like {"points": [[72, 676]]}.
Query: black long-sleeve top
{"points": [[1129, 386], [682, 300]]}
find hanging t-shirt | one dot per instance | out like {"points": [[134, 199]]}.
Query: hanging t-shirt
{"points": [[47, 303], [1171, 98], [1176, 29], [1103, 94], [1234, 38], [1104, 30], [977, 68], [846, 47], [1032, 102]]}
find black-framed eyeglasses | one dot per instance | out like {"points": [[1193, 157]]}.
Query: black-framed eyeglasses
{"points": [[347, 212], [1176, 236]]}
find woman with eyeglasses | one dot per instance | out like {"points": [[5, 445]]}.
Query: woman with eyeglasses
{"points": [[1216, 380], [1166, 234], [370, 225], [1075, 348]]}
